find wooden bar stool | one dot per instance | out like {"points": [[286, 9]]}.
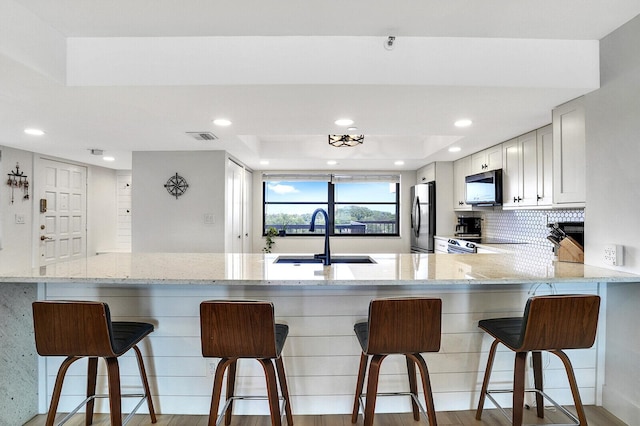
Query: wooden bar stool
{"points": [[244, 329], [78, 329], [401, 326], [550, 323]]}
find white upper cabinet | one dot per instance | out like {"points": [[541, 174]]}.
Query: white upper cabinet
{"points": [[511, 174], [426, 174], [569, 154], [545, 165], [529, 172], [461, 169], [488, 159], [526, 171]]}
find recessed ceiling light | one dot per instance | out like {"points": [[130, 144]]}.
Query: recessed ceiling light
{"points": [[222, 122], [332, 162], [465, 122], [34, 132], [344, 122], [108, 158], [455, 149], [399, 163], [264, 162], [352, 129]]}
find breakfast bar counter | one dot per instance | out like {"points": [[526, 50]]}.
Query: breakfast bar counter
{"points": [[319, 303], [262, 270]]}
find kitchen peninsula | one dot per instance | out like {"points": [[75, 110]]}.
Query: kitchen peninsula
{"points": [[320, 304]]}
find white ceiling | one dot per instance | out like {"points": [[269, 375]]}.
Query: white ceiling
{"points": [[123, 75]]}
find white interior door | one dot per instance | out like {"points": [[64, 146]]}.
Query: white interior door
{"points": [[247, 211], [62, 210], [235, 174]]}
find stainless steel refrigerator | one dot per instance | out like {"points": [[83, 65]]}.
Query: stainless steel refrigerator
{"points": [[423, 217]]}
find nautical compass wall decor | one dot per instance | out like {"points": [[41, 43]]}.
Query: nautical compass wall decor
{"points": [[176, 185]]}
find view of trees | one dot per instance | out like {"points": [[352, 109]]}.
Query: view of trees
{"points": [[344, 216]]}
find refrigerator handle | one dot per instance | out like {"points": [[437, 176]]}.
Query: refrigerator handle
{"points": [[416, 213], [413, 210]]}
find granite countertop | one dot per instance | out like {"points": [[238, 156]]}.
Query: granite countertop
{"points": [[260, 269]]}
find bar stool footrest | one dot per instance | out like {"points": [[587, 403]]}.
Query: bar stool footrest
{"points": [[143, 398], [240, 397], [576, 421], [412, 395]]}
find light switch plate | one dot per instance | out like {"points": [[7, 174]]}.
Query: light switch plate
{"points": [[613, 255]]}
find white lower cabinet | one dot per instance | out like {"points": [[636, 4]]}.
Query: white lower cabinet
{"points": [[440, 245]]}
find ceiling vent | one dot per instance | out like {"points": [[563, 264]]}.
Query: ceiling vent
{"points": [[203, 136]]}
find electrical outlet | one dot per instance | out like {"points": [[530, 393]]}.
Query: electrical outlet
{"points": [[209, 219], [210, 367], [20, 219], [613, 255]]}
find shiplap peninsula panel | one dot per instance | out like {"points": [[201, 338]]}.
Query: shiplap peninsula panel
{"points": [[321, 353]]}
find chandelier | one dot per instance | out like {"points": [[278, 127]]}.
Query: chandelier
{"points": [[345, 140]]}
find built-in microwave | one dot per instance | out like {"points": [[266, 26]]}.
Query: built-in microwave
{"points": [[484, 189]]}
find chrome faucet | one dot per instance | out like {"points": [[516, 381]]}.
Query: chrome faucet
{"points": [[326, 256]]}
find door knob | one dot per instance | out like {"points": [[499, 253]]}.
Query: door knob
{"points": [[43, 238]]}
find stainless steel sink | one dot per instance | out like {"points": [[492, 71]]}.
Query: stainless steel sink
{"points": [[334, 259]]}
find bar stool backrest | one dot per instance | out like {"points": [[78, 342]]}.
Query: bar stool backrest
{"points": [[559, 322], [237, 329], [404, 325], [72, 328]]}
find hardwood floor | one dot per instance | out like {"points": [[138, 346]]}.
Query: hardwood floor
{"points": [[597, 416]]}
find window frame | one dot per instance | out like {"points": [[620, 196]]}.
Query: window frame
{"points": [[331, 208]]}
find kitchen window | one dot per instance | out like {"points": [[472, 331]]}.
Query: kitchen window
{"points": [[357, 205]]}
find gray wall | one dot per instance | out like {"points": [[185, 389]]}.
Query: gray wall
{"points": [[162, 223], [613, 197]]}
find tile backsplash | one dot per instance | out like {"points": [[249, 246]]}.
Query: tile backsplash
{"points": [[526, 225]]}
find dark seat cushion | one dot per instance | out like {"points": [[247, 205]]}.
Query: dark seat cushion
{"points": [[282, 330], [362, 333], [507, 330], [125, 334]]}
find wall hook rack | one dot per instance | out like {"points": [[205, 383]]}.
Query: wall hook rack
{"points": [[18, 179]]}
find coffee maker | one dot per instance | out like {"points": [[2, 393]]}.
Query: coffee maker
{"points": [[468, 227]]}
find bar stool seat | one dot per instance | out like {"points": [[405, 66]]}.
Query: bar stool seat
{"points": [[401, 326], [550, 323], [79, 329], [231, 330]]}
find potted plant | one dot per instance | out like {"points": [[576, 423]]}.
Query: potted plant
{"points": [[283, 231], [269, 241]]}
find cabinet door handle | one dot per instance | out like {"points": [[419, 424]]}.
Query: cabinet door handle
{"points": [[539, 198]]}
